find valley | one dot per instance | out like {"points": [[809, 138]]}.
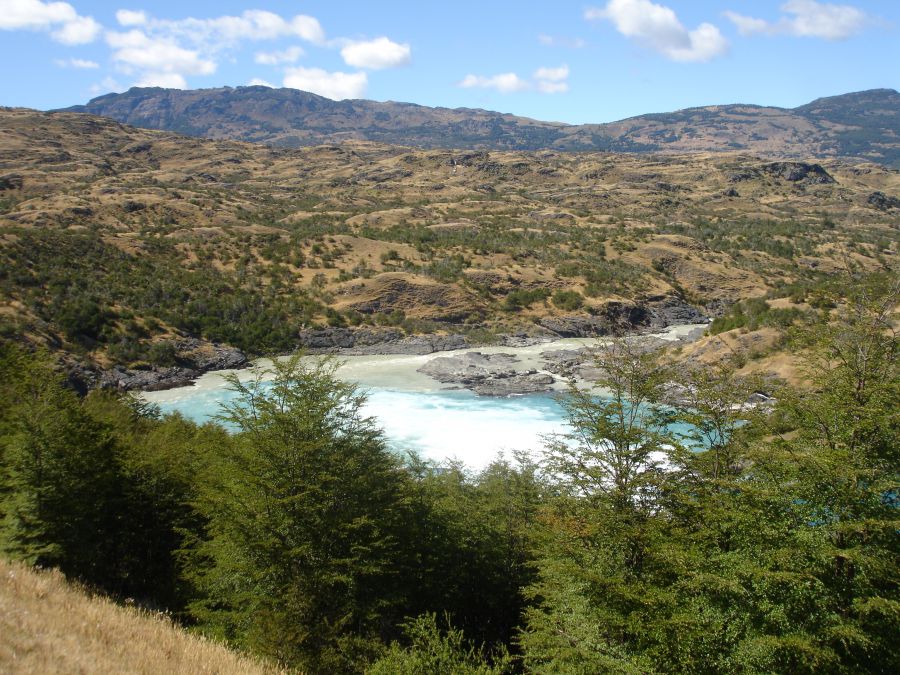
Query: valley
{"points": [[589, 412], [123, 247]]}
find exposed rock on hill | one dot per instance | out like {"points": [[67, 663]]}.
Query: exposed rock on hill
{"points": [[376, 341], [881, 201], [799, 171]]}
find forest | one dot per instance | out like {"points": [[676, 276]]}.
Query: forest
{"points": [[765, 539]]}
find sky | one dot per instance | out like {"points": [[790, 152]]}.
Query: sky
{"points": [[564, 61]]}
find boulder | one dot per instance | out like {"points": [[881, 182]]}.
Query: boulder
{"points": [[488, 374], [469, 368], [126, 379], [532, 383]]}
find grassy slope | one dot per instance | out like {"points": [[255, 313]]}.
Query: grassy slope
{"points": [[146, 237], [48, 626]]}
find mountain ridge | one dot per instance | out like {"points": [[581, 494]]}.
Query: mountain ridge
{"points": [[863, 124]]}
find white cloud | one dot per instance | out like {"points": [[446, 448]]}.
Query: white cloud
{"points": [[505, 83], [658, 27], [107, 85], [33, 14], [334, 85], [552, 74], [65, 24], [545, 80], [258, 82], [254, 24], [556, 41], [80, 31], [806, 18], [166, 80], [546, 87], [308, 28], [552, 80], [82, 64], [747, 25], [289, 55], [157, 50], [130, 17], [376, 54], [156, 59]]}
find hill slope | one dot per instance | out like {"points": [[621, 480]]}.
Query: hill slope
{"points": [[117, 243], [863, 124], [48, 626]]}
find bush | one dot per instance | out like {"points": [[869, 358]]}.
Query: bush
{"points": [[568, 300], [521, 297], [433, 650]]}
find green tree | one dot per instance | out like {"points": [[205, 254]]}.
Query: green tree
{"points": [[306, 510], [432, 650], [98, 487], [602, 558], [63, 494], [840, 465], [618, 434], [473, 544]]}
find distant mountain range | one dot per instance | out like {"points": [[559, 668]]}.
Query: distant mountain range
{"points": [[864, 124]]}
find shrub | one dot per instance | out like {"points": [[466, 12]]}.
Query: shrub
{"points": [[568, 300]]}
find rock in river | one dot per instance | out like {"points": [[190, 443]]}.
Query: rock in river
{"points": [[488, 374]]}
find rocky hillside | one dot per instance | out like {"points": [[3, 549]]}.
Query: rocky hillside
{"points": [[863, 124], [126, 246]]}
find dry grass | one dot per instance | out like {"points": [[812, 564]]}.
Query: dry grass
{"points": [[49, 626]]}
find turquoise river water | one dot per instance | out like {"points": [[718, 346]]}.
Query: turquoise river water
{"points": [[420, 414]]}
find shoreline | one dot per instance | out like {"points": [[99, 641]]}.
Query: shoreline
{"points": [[560, 357], [195, 357]]}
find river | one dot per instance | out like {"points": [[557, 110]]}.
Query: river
{"points": [[416, 412]]}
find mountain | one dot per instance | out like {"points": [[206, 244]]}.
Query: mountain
{"points": [[863, 124]]}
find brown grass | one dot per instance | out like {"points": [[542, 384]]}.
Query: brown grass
{"points": [[50, 626]]}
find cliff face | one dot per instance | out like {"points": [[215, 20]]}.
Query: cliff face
{"points": [[863, 124]]}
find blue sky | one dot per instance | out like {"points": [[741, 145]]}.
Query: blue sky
{"points": [[567, 61]]}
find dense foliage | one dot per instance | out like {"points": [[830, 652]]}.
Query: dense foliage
{"points": [[93, 292], [627, 549]]}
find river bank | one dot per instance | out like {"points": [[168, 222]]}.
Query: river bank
{"points": [[441, 420], [191, 358]]}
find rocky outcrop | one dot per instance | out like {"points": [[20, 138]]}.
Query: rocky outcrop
{"points": [[11, 181], [333, 339], [517, 385], [619, 318], [192, 358], [153, 379], [576, 326], [673, 311], [414, 296], [572, 363], [488, 374], [205, 356], [882, 202], [796, 172], [357, 341]]}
